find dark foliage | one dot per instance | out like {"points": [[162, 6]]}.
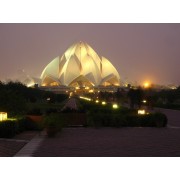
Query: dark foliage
{"points": [[8, 129], [27, 124], [105, 116], [34, 111], [136, 97], [14, 97]]}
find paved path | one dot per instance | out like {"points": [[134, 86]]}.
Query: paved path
{"points": [[9, 147], [112, 142], [30, 147], [116, 142], [102, 142]]}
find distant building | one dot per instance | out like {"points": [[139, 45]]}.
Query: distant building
{"points": [[80, 69]]}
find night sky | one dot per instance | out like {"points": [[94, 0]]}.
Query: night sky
{"points": [[139, 52]]}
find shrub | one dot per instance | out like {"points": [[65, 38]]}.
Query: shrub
{"points": [[118, 120], [99, 116], [34, 111], [51, 110], [29, 125], [55, 120], [8, 129], [97, 119], [147, 120], [159, 119], [133, 120], [21, 125]]}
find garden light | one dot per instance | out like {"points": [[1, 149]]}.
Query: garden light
{"points": [[141, 111], [85, 98], [97, 101], [103, 103], [91, 91], [144, 101], [115, 106], [3, 116]]}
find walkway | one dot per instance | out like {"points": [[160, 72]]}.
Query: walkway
{"points": [[9, 147], [102, 142], [112, 142], [118, 142]]}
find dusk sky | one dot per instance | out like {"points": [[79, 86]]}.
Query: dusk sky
{"points": [[139, 52]]}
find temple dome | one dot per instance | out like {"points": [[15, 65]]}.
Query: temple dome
{"points": [[80, 66]]}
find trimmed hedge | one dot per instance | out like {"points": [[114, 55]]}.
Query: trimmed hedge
{"points": [[105, 116], [127, 120], [27, 124], [54, 120], [10, 128]]}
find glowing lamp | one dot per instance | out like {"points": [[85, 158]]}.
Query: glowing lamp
{"points": [[144, 101], [91, 91], [115, 106], [146, 85], [141, 111], [3, 116], [85, 98], [103, 103], [97, 101]]}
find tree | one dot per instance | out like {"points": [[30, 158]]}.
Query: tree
{"points": [[135, 97]]}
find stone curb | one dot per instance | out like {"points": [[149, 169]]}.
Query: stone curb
{"points": [[29, 148]]}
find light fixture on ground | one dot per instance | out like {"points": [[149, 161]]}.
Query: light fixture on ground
{"points": [[3, 116], [141, 111], [144, 101], [85, 98], [103, 103], [115, 106]]}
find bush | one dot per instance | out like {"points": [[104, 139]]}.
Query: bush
{"points": [[51, 110], [100, 116], [34, 111], [8, 129], [147, 120], [119, 119], [55, 120], [21, 125], [159, 119], [29, 125]]}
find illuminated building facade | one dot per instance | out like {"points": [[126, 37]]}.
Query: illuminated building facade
{"points": [[79, 68]]}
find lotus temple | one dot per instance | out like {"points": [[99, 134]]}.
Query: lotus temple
{"points": [[79, 69]]}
